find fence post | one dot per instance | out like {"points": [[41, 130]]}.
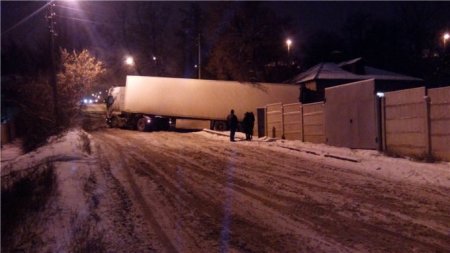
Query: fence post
{"points": [[383, 144], [303, 123], [282, 122], [427, 101], [266, 125]]}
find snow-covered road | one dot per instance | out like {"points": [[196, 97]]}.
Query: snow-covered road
{"points": [[127, 191], [195, 192]]}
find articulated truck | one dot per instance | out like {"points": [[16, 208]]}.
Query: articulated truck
{"points": [[159, 103]]}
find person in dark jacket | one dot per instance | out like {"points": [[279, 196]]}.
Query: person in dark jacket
{"points": [[251, 124], [232, 124], [248, 123]]}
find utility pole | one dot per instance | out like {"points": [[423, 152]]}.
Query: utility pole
{"points": [[51, 16], [199, 57]]}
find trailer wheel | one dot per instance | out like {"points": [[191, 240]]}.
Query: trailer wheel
{"points": [[220, 126], [113, 122], [141, 124]]}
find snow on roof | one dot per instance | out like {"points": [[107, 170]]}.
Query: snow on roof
{"points": [[333, 71], [325, 71], [353, 61], [380, 74]]}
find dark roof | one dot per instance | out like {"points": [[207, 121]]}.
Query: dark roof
{"points": [[333, 71]]}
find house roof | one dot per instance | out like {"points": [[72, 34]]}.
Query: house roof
{"points": [[333, 71]]}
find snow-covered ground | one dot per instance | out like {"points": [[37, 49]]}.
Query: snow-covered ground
{"points": [[125, 191], [370, 161]]}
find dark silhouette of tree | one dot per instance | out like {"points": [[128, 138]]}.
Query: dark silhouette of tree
{"points": [[377, 41], [251, 39], [190, 34], [409, 42], [322, 46]]}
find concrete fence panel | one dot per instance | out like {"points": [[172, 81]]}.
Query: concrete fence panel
{"points": [[440, 122], [313, 122], [292, 116], [274, 120], [406, 122]]}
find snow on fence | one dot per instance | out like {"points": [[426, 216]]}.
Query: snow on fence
{"points": [[440, 122], [405, 122]]}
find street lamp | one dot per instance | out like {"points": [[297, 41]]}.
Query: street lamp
{"points": [[445, 37], [288, 43], [129, 61]]}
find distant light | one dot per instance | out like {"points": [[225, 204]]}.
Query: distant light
{"points": [[100, 92], [90, 101], [129, 60], [288, 42], [93, 94], [446, 36], [85, 101], [380, 94], [195, 66], [154, 58]]}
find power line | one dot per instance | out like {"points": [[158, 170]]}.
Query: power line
{"points": [[82, 20], [26, 18]]}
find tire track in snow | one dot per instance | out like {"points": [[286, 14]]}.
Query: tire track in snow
{"points": [[216, 180], [121, 208], [371, 231], [147, 212], [364, 192]]}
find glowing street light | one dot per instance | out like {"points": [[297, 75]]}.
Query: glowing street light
{"points": [[288, 43], [445, 37], [129, 61]]}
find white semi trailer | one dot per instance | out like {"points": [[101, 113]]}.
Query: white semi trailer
{"points": [[157, 103]]}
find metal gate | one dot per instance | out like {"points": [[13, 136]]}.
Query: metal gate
{"points": [[351, 115], [261, 119]]}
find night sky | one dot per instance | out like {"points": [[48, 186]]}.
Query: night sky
{"points": [[80, 24], [308, 17]]}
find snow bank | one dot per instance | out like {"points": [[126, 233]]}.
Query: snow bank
{"points": [[70, 153], [66, 147], [11, 151]]}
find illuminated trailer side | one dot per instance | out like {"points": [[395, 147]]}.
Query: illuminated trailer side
{"points": [[149, 99]]}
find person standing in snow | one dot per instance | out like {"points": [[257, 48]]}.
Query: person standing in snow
{"points": [[232, 124], [247, 125], [251, 124]]}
